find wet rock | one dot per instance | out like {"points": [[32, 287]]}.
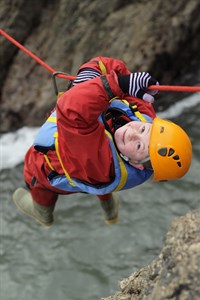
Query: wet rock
{"points": [[175, 274]]}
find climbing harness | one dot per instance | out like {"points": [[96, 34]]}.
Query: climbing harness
{"points": [[125, 175]]}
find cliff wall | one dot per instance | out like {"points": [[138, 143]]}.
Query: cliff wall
{"points": [[161, 37]]}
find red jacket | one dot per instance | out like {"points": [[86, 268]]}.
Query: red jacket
{"points": [[83, 144]]}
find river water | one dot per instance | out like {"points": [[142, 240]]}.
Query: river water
{"points": [[80, 257]]}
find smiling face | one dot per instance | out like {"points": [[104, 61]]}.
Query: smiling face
{"points": [[132, 140]]}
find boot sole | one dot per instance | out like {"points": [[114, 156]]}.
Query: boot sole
{"points": [[113, 221]]}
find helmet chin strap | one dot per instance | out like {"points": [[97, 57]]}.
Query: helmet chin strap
{"points": [[124, 157], [143, 161]]}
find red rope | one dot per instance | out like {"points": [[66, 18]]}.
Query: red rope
{"points": [[174, 88], [36, 58]]}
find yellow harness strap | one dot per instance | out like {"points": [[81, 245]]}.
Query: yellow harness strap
{"points": [[136, 112], [59, 158], [53, 119], [124, 173], [139, 115], [102, 67], [104, 72], [48, 162], [59, 95]]}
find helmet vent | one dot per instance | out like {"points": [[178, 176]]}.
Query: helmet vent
{"points": [[176, 157], [171, 151], [179, 164], [165, 152], [162, 151]]}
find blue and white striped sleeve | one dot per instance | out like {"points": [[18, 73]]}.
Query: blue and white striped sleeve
{"points": [[86, 74]]}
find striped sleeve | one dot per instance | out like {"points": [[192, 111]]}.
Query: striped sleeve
{"points": [[86, 74]]}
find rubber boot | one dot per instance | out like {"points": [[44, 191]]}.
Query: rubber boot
{"points": [[110, 208], [41, 214]]}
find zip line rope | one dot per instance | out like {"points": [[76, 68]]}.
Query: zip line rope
{"points": [[175, 88], [36, 58]]}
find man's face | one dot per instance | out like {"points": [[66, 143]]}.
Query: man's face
{"points": [[132, 140]]}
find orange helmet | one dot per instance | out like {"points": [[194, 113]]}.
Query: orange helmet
{"points": [[170, 150]]}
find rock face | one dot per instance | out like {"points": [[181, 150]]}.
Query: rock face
{"points": [[161, 37], [175, 274]]}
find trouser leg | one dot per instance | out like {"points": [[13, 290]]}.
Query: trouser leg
{"points": [[110, 206]]}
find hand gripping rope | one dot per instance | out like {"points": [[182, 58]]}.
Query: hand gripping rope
{"points": [[174, 88]]}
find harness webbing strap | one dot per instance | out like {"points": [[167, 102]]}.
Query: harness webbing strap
{"points": [[107, 87], [124, 173], [140, 116], [60, 160], [135, 111], [59, 95], [104, 79], [102, 67], [52, 119], [48, 162]]}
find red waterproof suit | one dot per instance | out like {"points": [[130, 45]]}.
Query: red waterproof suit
{"points": [[83, 144]]}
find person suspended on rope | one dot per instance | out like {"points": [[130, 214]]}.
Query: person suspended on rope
{"points": [[102, 137]]}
